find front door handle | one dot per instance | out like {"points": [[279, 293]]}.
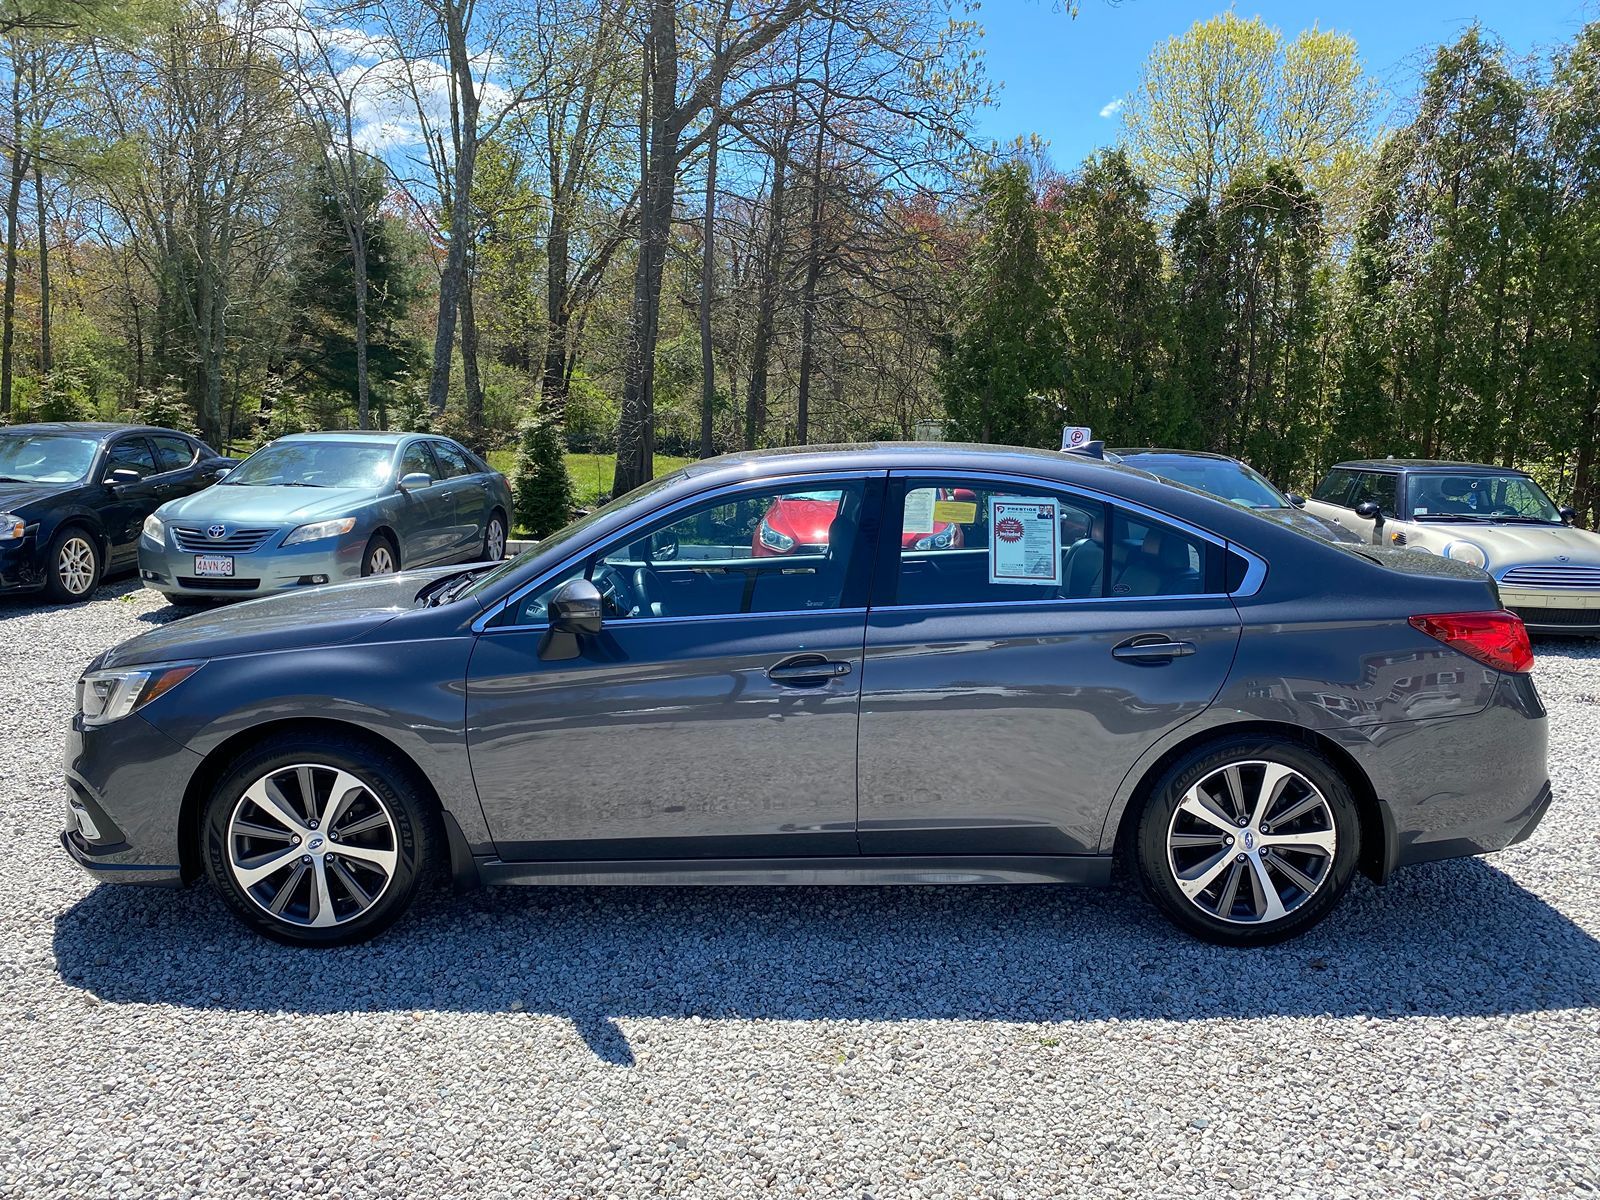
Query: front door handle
{"points": [[810, 668], [1152, 649]]}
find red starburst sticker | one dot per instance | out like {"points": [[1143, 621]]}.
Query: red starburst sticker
{"points": [[1009, 529]]}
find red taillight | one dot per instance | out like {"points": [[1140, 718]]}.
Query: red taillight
{"points": [[1497, 639]]}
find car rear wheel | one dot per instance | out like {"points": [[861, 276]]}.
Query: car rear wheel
{"points": [[494, 538], [1248, 841], [317, 841], [74, 564], [381, 557]]}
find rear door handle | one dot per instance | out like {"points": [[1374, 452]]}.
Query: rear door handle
{"points": [[1151, 650], [807, 669]]}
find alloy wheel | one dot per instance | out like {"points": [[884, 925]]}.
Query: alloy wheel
{"points": [[312, 845], [495, 542], [382, 561], [75, 565], [1251, 842]]}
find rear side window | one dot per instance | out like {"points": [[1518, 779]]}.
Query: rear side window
{"points": [[1375, 485], [173, 453], [452, 460], [966, 541], [1335, 487], [1150, 558]]}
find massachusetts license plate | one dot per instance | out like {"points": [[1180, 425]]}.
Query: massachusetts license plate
{"points": [[213, 564]]}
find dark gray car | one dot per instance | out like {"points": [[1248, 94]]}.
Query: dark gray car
{"points": [[1102, 665]]}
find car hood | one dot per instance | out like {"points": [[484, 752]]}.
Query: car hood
{"points": [[19, 495], [264, 505], [1521, 545], [325, 616]]}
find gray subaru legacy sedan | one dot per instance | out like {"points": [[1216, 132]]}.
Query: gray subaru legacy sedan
{"points": [[316, 508], [770, 668]]}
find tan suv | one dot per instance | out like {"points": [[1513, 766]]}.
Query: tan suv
{"points": [[1491, 517]]}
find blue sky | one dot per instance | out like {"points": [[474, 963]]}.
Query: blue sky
{"points": [[1059, 73]]}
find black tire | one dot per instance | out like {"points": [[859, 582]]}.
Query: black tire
{"points": [[75, 556], [496, 521], [372, 561], [179, 600], [1256, 861], [386, 790]]}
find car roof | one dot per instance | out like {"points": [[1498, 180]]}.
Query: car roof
{"points": [[386, 437], [1442, 466], [1165, 451], [96, 428], [899, 455]]}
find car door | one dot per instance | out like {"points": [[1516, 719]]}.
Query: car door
{"points": [[126, 504], [1381, 487], [1012, 680], [714, 715], [1330, 500], [425, 516], [468, 497], [178, 470]]}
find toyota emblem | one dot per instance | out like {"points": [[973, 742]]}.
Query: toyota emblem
{"points": [[217, 531]]}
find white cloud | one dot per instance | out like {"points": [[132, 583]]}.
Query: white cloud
{"points": [[1112, 108]]}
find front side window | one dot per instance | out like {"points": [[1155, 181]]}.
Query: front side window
{"points": [[765, 551], [1378, 486], [1335, 487], [314, 464], [131, 454], [45, 457]]}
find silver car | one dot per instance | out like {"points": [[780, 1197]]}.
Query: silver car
{"points": [[317, 508]]}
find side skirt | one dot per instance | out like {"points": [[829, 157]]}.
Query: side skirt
{"points": [[1092, 870]]}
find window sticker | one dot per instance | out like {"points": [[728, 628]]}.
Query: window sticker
{"points": [[919, 511], [1025, 541], [955, 512]]}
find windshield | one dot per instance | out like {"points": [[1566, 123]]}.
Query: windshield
{"points": [[1509, 498], [314, 464], [566, 534], [1226, 480], [45, 457]]}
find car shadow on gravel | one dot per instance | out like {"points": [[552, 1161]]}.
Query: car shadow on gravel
{"points": [[1448, 939]]}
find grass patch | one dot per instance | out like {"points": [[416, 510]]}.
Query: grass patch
{"points": [[592, 474]]}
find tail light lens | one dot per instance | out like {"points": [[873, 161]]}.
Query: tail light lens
{"points": [[1496, 639]]}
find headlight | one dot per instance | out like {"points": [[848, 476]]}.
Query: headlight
{"points": [[936, 541], [107, 696], [12, 527], [154, 529], [321, 529], [1466, 552], [773, 540]]}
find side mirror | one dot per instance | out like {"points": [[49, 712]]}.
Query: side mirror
{"points": [[415, 481], [574, 611], [1568, 515], [222, 474], [1296, 499], [123, 475], [1370, 510]]}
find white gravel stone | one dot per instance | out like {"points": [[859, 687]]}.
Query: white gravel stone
{"points": [[1438, 1037]]}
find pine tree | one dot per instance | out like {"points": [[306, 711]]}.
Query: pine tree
{"points": [[541, 487]]}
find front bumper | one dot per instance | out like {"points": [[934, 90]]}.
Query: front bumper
{"points": [[19, 566], [264, 572], [125, 787], [1551, 610]]}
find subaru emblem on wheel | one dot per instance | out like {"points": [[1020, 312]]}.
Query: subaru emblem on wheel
{"points": [[217, 531]]}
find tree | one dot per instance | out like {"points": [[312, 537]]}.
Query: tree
{"points": [[1008, 345], [541, 488], [1231, 94]]}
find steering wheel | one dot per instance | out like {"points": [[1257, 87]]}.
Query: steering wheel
{"points": [[617, 598]]}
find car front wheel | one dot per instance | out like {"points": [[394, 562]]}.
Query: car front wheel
{"points": [[1248, 841], [317, 841], [380, 558], [74, 565]]}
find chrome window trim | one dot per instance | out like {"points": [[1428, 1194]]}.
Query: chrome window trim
{"points": [[1255, 566], [480, 625]]}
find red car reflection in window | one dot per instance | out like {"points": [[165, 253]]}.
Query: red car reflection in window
{"points": [[799, 524]]}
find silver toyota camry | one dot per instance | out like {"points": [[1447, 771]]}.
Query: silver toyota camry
{"points": [[317, 508]]}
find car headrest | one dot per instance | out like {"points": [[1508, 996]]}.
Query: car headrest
{"points": [[838, 531]]}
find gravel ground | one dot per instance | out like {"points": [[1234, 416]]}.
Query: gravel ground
{"points": [[1440, 1036]]}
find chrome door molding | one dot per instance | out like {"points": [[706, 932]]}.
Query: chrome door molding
{"points": [[481, 624]]}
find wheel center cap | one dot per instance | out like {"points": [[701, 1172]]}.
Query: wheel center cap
{"points": [[316, 842], [1249, 839]]}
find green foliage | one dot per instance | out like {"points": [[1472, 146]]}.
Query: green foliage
{"points": [[167, 405], [541, 488]]}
